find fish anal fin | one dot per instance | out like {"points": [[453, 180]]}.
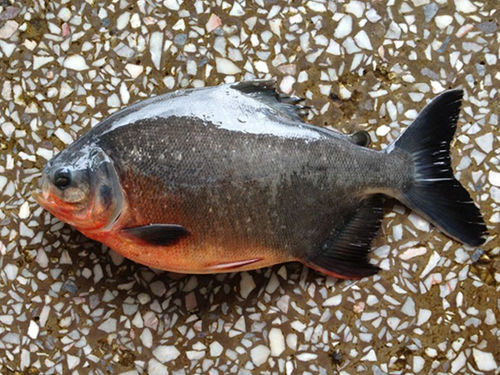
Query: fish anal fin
{"points": [[345, 253], [157, 234]]}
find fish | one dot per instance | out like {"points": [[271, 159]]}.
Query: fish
{"points": [[230, 178]]}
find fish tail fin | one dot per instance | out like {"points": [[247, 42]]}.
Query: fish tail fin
{"points": [[433, 191]]}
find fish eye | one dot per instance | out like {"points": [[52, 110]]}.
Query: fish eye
{"points": [[62, 179]]}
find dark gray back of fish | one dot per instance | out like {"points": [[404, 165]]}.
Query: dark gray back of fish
{"points": [[286, 193]]}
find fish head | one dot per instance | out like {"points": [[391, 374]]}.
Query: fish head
{"points": [[80, 186]]}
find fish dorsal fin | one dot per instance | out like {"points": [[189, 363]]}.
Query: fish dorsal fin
{"points": [[158, 234], [265, 91], [345, 253]]}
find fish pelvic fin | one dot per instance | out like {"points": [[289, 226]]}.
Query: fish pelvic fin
{"points": [[345, 253], [433, 190]]}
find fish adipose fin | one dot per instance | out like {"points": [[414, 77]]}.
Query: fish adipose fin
{"points": [[158, 234], [345, 253], [265, 91], [434, 191], [360, 138]]}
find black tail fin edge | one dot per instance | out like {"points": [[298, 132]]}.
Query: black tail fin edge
{"points": [[434, 192]]}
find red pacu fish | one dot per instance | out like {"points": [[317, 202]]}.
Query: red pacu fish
{"points": [[230, 178]]}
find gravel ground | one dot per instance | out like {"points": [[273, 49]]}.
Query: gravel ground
{"points": [[71, 306]]}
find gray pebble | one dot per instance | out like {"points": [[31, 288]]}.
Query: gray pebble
{"points": [[180, 39], [488, 27], [430, 11]]}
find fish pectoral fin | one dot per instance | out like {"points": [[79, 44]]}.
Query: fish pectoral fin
{"points": [[158, 234], [345, 253]]}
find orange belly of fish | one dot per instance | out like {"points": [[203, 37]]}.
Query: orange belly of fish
{"points": [[184, 257]]}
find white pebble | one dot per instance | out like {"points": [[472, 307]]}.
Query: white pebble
{"points": [[7, 48], [443, 21], [215, 349], [24, 211], [73, 361], [261, 66], [156, 46], [413, 252], [75, 62], [418, 364], [458, 363], [171, 4], [134, 70], [383, 130], [8, 128], [259, 354], [276, 342], [124, 93], [135, 21], [246, 284], [490, 317], [306, 357], [333, 301], [63, 136], [226, 66], [465, 6], [362, 40], [370, 356], [113, 101], [316, 6], [485, 142], [64, 14], [122, 20], [394, 31], [343, 92], [419, 222], [423, 316], [108, 325], [344, 27], [484, 360], [33, 330], [431, 352], [494, 178], [433, 261], [286, 84], [41, 258], [156, 368], [166, 353], [8, 29], [291, 341], [372, 15], [236, 10], [408, 307], [65, 90], [146, 338], [355, 7]]}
